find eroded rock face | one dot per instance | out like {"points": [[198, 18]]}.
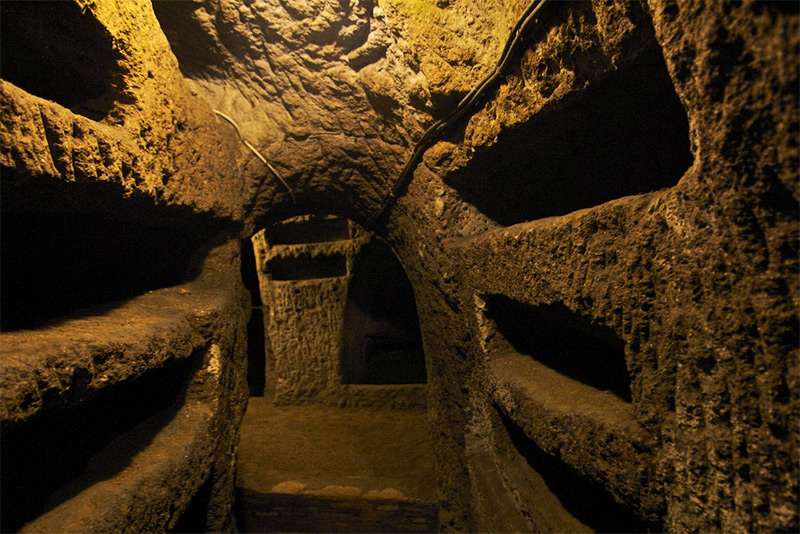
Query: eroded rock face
{"points": [[333, 93], [630, 186], [666, 271], [153, 137], [123, 337]]}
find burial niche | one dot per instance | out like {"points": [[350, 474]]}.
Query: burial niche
{"points": [[57, 51]]}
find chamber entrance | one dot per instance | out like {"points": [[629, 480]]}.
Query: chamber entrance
{"points": [[382, 342]]}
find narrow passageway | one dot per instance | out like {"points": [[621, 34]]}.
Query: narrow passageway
{"points": [[513, 266], [336, 434]]}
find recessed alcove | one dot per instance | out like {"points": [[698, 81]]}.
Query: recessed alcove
{"points": [[55, 264], [564, 341], [307, 229], [625, 133], [56, 51], [381, 343], [45, 455], [554, 493], [305, 266]]}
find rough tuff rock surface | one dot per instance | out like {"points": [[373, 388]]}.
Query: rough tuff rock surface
{"points": [[333, 93], [154, 137], [123, 340], [697, 281], [603, 253]]}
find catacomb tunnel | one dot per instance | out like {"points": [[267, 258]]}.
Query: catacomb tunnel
{"points": [[399, 266]]}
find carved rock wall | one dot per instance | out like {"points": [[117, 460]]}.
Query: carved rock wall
{"points": [[603, 252], [312, 273], [122, 312]]}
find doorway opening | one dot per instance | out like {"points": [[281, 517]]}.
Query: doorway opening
{"points": [[256, 346], [336, 434], [381, 342]]}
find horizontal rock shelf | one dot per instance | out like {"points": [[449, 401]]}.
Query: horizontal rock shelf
{"points": [[60, 365], [593, 431], [142, 480]]}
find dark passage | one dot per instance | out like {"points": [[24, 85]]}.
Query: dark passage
{"points": [[624, 134], [256, 355], [382, 342], [564, 341], [586, 500]]}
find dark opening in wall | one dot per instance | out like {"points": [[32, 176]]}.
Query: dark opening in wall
{"points": [[306, 266], [307, 229], [624, 134], [563, 341], [54, 264], [584, 499], [54, 51], [256, 354], [381, 342], [47, 453]]}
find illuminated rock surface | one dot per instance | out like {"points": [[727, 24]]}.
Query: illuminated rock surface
{"points": [[602, 252]]}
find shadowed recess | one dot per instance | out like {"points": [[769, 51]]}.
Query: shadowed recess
{"points": [[564, 341], [47, 453], [198, 53], [56, 52], [256, 342], [382, 342], [306, 267], [57, 263], [624, 134], [584, 499]]}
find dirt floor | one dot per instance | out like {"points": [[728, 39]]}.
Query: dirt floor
{"points": [[325, 469], [327, 451]]}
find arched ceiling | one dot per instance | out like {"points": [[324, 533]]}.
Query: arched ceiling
{"points": [[333, 93]]}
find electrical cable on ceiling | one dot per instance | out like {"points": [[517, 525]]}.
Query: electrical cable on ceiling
{"points": [[466, 103], [258, 154]]}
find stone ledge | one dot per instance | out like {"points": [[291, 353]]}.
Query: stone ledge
{"points": [[505, 239], [157, 468], [592, 431], [63, 364], [344, 247]]}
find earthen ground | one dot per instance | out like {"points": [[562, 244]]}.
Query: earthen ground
{"points": [[292, 457], [372, 449]]}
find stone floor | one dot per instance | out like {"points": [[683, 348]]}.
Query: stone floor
{"points": [[324, 469]]}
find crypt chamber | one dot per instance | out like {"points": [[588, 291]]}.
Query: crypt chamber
{"points": [[399, 266]]}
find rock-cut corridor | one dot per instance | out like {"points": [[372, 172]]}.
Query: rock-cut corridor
{"points": [[399, 266]]}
